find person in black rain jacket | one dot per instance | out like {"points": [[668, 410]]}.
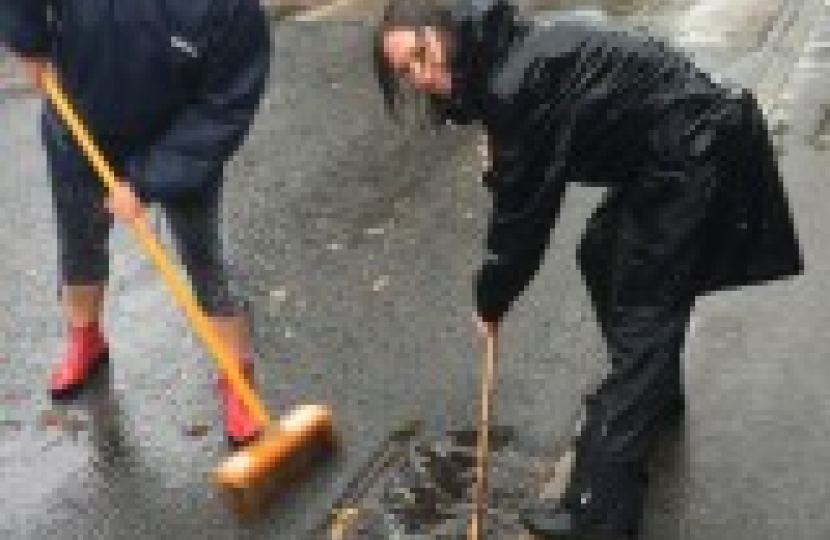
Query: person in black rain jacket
{"points": [[696, 204], [169, 89]]}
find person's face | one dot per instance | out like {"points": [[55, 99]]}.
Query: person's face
{"points": [[419, 56]]}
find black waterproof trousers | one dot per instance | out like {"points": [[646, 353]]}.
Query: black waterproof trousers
{"points": [[686, 226]]}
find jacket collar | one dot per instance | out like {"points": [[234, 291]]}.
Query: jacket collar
{"points": [[482, 32]]}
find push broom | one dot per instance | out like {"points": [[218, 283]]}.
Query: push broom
{"points": [[287, 446]]}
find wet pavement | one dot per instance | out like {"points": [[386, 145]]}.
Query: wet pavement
{"points": [[357, 241]]}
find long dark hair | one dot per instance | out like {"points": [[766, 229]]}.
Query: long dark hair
{"points": [[410, 14]]}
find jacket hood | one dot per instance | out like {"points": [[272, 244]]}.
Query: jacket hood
{"points": [[482, 33]]}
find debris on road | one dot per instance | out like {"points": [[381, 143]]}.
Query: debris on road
{"points": [[196, 431], [428, 491], [279, 295], [380, 283]]}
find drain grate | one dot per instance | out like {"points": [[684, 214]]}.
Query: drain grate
{"points": [[418, 487]]}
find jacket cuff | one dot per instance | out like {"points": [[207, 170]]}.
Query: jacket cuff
{"points": [[492, 298], [135, 177], [24, 38]]}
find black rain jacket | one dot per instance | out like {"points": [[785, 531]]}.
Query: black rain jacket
{"points": [[580, 101]]}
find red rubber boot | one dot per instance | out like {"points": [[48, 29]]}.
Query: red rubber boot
{"points": [[86, 351], [241, 427]]}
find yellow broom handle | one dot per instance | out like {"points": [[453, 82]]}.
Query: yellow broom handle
{"points": [[153, 248]]}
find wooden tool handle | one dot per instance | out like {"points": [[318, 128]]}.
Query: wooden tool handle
{"points": [[487, 384], [153, 248]]}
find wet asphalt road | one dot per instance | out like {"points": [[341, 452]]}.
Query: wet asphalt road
{"points": [[356, 242]]}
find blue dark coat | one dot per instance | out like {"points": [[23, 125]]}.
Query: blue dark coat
{"points": [[169, 88]]}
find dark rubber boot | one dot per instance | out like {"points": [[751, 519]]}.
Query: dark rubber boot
{"points": [[603, 499], [606, 508]]}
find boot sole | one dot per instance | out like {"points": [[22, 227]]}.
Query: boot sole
{"points": [[74, 391], [584, 534], [235, 443]]}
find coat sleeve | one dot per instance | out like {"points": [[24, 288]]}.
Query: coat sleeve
{"points": [[526, 202], [24, 26], [190, 157]]}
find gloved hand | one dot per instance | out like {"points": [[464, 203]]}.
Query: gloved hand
{"points": [[485, 329]]}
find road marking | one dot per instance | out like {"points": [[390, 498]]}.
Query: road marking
{"points": [[322, 12]]}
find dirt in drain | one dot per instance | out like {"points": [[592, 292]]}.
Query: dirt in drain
{"points": [[430, 492]]}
